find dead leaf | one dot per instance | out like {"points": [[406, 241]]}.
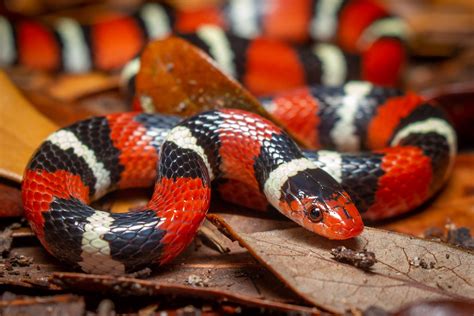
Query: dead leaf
{"points": [[22, 129], [10, 200], [6, 238], [178, 78], [303, 261], [72, 87]]}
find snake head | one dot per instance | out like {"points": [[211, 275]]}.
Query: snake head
{"points": [[317, 202]]}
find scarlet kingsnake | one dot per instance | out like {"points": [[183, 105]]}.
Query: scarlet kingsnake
{"points": [[410, 144], [372, 41], [253, 161]]}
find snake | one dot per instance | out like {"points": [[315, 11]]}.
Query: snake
{"points": [[321, 42], [374, 152], [393, 151]]}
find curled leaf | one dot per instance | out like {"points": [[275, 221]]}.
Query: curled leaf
{"points": [[178, 78], [22, 129]]}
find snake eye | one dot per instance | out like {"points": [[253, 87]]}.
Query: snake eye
{"points": [[315, 214]]}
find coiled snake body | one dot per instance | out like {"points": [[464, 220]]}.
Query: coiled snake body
{"points": [[391, 152], [409, 150]]}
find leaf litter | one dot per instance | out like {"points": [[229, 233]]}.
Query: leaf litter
{"points": [[303, 261]]}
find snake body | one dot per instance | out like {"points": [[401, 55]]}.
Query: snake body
{"points": [[84, 161], [411, 147], [385, 152], [370, 41]]}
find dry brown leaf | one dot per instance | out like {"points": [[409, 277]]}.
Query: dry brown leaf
{"points": [[181, 79], [67, 98], [10, 200], [22, 129], [303, 261], [72, 87]]}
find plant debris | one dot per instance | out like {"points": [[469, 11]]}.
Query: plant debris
{"points": [[460, 237], [420, 262], [433, 233], [457, 236], [10, 199], [360, 259], [196, 280], [9, 265], [20, 261], [209, 235], [6, 238], [11, 304]]}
